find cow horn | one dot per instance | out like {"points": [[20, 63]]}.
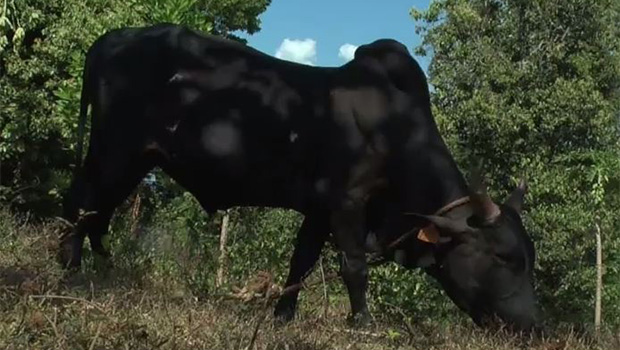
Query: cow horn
{"points": [[450, 227], [515, 200], [484, 207]]}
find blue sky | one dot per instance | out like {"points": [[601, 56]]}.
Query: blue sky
{"points": [[314, 32]]}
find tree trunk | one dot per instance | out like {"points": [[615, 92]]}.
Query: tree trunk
{"points": [[599, 280], [222, 259], [135, 215], [325, 297]]}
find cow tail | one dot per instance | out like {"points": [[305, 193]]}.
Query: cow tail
{"points": [[84, 102]]}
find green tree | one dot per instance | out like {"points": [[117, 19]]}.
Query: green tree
{"points": [[531, 87], [42, 47]]}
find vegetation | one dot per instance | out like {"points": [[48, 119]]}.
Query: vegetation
{"points": [[532, 87], [528, 86], [146, 305], [42, 48]]}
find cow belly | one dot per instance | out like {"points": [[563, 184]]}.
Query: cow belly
{"points": [[223, 183]]}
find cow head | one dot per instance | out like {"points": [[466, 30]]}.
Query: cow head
{"points": [[483, 258]]}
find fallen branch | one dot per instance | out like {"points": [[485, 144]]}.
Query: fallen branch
{"points": [[92, 344], [408, 325], [54, 328], [272, 291], [259, 322], [359, 332], [82, 216], [64, 222], [64, 297], [16, 192], [264, 288]]}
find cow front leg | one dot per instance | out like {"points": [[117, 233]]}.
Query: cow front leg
{"points": [[309, 243], [70, 252], [348, 228]]}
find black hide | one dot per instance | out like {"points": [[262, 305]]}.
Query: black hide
{"points": [[353, 148]]}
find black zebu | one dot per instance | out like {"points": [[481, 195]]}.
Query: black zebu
{"points": [[353, 148]]}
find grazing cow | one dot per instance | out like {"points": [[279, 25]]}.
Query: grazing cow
{"points": [[355, 149]]}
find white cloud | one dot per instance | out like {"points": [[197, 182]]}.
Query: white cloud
{"points": [[347, 52], [300, 51]]}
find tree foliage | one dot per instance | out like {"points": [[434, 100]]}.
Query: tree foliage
{"points": [[42, 47], [531, 88]]}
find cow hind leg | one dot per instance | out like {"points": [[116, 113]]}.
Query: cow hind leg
{"points": [[97, 190], [310, 241]]}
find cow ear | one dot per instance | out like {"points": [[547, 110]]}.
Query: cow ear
{"points": [[441, 229], [515, 200]]}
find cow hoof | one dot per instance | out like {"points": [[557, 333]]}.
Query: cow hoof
{"points": [[102, 263], [66, 260], [359, 320], [283, 316]]}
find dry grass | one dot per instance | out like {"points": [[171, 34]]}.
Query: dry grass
{"points": [[42, 309]]}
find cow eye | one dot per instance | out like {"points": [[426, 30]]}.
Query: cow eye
{"points": [[503, 259], [514, 262]]}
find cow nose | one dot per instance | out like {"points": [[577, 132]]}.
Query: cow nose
{"points": [[524, 323], [521, 314], [521, 323], [519, 311]]}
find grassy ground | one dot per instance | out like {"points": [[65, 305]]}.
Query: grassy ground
{"points": [[40, 308]]}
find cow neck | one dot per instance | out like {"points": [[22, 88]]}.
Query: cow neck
{"points": [[440, 185]]}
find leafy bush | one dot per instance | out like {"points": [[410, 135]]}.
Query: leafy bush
{"points": [[532, 88], [42, 47]]}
